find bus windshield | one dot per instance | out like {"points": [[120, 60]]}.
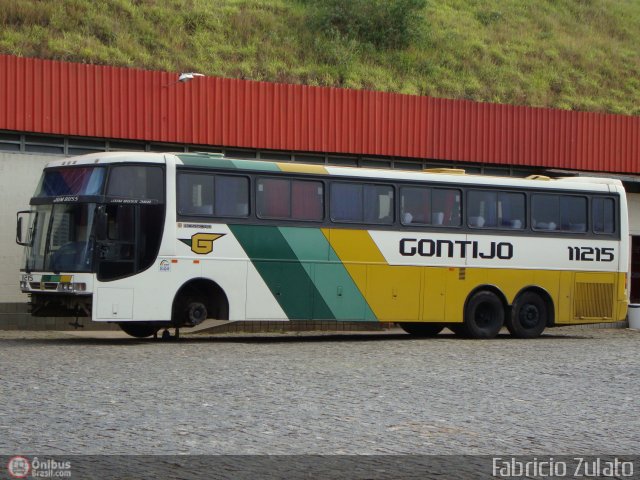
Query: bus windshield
{"points": [[61, 238], [71, 181]]}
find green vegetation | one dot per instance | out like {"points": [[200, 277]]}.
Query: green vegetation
{"points": [[570, 54]]}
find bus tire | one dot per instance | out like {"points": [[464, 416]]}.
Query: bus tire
{"points": [[483, 315], [529, 316], [138, 329], [422, 329], [193, 312]]}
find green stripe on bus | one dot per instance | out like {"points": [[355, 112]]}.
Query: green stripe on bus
{"points": [[256, 165], [330, 277], [195, 160], [289, 280], [217, 161]]}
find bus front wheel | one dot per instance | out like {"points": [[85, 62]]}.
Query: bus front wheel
{"points": [[193, 312], [529, 316], [422, 329], [138, 329], [483, 315]]}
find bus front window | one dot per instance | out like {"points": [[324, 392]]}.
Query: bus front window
{"points": [[61, 238]]}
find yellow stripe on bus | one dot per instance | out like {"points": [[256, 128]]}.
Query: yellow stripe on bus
{"points": [[392, 292], [301, 168], [438, 294]]}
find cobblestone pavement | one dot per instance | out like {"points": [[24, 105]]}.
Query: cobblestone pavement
{"points": [[573, 391]]}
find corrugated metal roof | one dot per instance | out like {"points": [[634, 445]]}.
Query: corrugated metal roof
{"points": [[99, 101]]}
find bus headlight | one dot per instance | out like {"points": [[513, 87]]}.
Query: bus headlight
{"points": [[73, 287]]}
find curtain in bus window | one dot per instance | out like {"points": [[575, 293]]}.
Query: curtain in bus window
{"points": [[273, 199], [306, 200], [232, 196], [346, 202], [378, 204]]}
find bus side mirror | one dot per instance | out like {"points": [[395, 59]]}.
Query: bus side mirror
{"points": [[22, 229]]}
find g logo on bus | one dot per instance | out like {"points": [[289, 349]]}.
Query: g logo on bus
{"points": [[202, 243]]}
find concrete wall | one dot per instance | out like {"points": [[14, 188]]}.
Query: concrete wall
{"points": [[19, 175], [633, 199]]}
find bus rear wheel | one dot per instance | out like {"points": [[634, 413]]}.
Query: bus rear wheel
{"points": [[529, 316], [422, 329], [138, 329], [483, 315]]}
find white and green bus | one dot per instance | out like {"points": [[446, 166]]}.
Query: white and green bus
{"points": [[154, 241]]}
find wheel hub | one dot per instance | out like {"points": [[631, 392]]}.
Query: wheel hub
{"points": [[197, 313], [529, 315]]}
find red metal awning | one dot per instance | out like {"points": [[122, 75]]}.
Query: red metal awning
{"points": [[74, 99]]}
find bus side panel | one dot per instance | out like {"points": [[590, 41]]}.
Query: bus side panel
{"points": [[433, 294], [224, 261], [260, 302], [231, 276], [394, 292], [564, 305], [623, 299], [338, 290], [595, 297], [148, 296]]}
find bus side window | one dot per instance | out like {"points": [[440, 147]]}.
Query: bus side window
{"points": [[415, 205], [446, 207], [482, 209], [346, 202], [195, 194], [290, 199], [273, 198], [573, 213], [567, 213], [378, 204], [511, 210], [362, 203], [603, 215], [307, 200], [231, 196], [545, 211]]}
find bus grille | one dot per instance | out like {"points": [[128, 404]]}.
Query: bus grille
{"points": [[593, 300]]}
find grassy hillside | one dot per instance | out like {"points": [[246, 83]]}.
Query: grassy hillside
{"points": [[571, 54]]}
